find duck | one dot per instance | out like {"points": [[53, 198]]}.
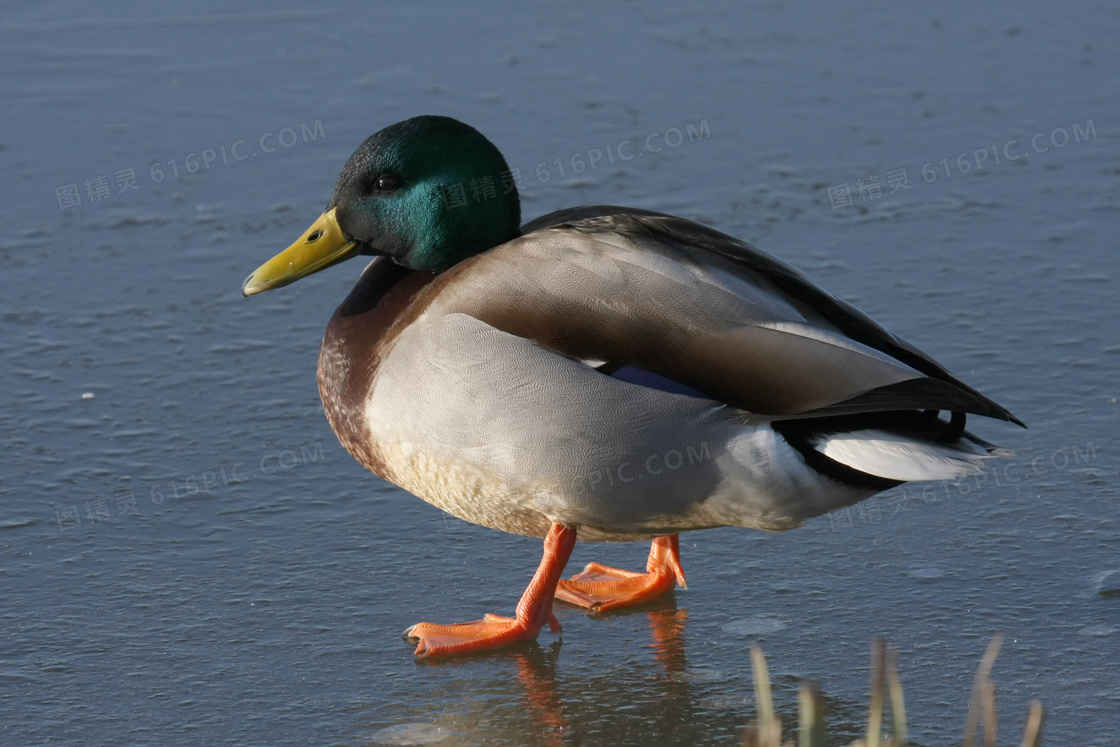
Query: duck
{"points": [[600, 373]]}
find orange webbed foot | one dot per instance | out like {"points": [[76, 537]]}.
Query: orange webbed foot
{"points": [[601, 588], [534, 611], [492, 631]]}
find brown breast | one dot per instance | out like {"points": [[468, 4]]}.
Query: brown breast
{"points": [[358, 335]]}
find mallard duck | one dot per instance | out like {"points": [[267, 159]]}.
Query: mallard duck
{"points": [[600, 373]]}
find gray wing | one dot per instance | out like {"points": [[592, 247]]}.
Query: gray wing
{"points": [[635, 288]]}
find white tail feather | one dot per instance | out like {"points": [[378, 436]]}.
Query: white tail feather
{"points": [[898, 457]]}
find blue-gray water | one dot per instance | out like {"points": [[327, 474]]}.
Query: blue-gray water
{"points": [[187, 555]]}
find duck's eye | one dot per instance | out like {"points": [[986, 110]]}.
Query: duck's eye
{"points": [[387, 183], [315, 236]]}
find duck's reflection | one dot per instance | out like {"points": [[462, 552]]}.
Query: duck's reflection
{"points": [[667, 632], [609, 692], [536, 673], [606, 697]]}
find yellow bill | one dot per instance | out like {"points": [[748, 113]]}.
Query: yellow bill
{"points": [[321, 246]]}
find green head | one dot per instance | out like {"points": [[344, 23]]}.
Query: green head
{"points": [[408, 192], [428, 192]]}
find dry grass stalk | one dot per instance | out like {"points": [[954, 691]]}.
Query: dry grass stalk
{"points": [[767, 730]]}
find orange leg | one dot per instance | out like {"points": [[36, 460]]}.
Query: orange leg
{"points": [[601, 588], [534, 610]]}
